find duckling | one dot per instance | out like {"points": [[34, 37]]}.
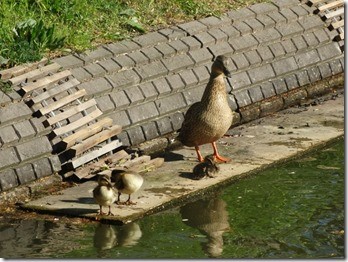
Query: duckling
{"points": [[127, 182], [207, 168], [104, 194], [208, 120]]}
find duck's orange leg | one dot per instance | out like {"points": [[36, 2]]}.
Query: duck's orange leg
{"points": [[217, 156], [199, 155]]}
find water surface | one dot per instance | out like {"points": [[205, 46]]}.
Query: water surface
{"points": [[292, 211]]}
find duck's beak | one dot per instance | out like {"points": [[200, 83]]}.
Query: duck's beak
{"points": [[227, 72]]}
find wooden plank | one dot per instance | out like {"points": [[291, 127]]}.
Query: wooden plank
{"points": [[46, 81], [58, 104], [21, 69], [330, 5], [92, 170], [334, 13], [148, 166], [114, 159], [106, 172], [35, 74], [93, 140], [136, 161], [78, 123], [339, 37], [336, 25], [69, 141], [94, 154], [69, 112], [313, 2], [55, 91]]}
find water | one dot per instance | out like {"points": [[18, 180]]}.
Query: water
{"points": [[292, 211]]}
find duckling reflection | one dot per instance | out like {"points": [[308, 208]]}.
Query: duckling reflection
{"points": [[105, 237], [108, 236], [128, 235], [210, 217]]}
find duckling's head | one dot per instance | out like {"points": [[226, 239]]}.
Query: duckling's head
{"points": [[117, 174], [210, 160], [104, 180], [220, 66]]}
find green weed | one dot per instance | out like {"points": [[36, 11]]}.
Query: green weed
{"points": [[28, 42], [77, 25]]}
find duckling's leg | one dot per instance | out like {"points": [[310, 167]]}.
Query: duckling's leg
{"points": [[101, 210], [129, 202], [217, 156], [118, 202], [110, 213], [199, 155]]}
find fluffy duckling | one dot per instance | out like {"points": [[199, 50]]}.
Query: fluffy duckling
{"points": [[207, 168], [208, 120], [104, 194], [126, 182]]}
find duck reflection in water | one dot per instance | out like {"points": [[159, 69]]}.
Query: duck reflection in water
{"points": [[210, 217], [108, 236]]}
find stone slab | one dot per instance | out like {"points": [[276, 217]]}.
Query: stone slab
{"points": [[254, 146]]}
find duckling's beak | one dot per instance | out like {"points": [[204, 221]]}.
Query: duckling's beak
{"points": [[227, 73]]}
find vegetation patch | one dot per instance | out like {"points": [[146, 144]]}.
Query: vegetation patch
{"points": [[31, 29]]}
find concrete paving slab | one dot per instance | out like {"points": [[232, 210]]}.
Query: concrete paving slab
{"points": [[253, 146]]}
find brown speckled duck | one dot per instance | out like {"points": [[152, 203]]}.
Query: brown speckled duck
{"points": [[208, 120]]}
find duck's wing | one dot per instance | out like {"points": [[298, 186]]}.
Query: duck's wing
{"points": [[190, 117]]}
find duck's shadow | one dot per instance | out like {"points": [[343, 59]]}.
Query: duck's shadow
{"points": [[81, 200], [171, 156], [189, 175]]}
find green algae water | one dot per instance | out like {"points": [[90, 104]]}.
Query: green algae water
{"points": [[291, 211]]}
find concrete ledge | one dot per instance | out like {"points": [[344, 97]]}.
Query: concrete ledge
{"points": [[253, 146]]}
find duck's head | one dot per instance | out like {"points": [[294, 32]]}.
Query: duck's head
{"points": [[103, 180], [220, 66]]}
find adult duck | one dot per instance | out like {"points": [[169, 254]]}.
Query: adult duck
{"points": [[209, 119]]}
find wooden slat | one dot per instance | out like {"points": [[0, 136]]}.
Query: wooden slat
{"points": [[46, 81], [334, 13], [87, 171], [93, 140], [94, 154], [35, 74], [21, 69], [55, 91], [330, 5], [137, 161], [69, 141], [336, 25], [115, 158], [313, 2], [106, 172], [147, 166], [70, 112], [58, 104], [78, 123], [339, 37]]}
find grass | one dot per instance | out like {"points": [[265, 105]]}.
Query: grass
{"points": [[31, 29]]}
